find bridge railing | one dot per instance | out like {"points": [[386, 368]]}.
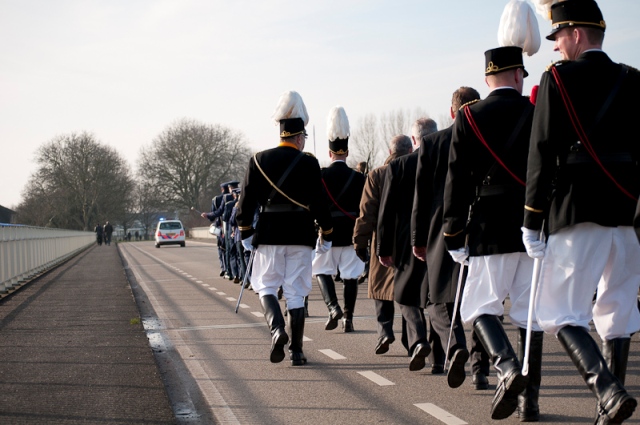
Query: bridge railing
{"points": [[27, 251]]}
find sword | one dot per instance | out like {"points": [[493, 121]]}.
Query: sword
{"points": [[196, 211], [537, 265], [455, 313], [246, 275]]}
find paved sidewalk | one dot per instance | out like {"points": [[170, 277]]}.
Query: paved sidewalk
{"points": [[72, 349]]}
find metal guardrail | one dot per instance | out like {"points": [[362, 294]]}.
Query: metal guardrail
{"points": [[27, 251]]}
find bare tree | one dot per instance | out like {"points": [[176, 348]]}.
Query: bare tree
{"points": [[79, 182], [186, 163], [365, 142]]}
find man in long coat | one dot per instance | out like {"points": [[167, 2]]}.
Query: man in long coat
{"points": [[380, 279], [394, 246]]}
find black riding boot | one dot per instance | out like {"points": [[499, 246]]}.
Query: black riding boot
{"points": [[614, 404], [279, 337], [511, 381], [296, 323], [350, 295], [328, 290], [616, 354], [528, 410]]}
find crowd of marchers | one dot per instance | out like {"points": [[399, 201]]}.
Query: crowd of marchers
{"points": [[534, 198]]}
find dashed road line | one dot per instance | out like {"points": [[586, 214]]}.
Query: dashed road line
{"points": [[440, 414], [221, 293], [258, 314], [245, 306], [332, 354], [306, 338], [231, 298], [375, 378]]}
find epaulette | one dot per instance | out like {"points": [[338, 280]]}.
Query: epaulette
{"points": [[310, 154], [469, 103], [632, 69], [556, 63]]}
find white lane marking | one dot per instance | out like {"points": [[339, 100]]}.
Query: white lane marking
{"points": [[258, 314], [231, 299], [245, 306], [332, 354], [196, 279], [212, 395], [440, 414], [221, 293], [375, 378], [306, 338], [199, 281], [213, 289]]}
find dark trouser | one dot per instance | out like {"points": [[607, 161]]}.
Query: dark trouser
{"points": [[437, 355], [242, 264], [416, 325], [233, 260], [221, 254], [479, 357], [441, 315], [385, 311], [107, 238]]}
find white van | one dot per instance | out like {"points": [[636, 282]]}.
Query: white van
{"points": [[170, 232]]}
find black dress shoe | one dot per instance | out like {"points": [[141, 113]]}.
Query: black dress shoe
{"points": [[456, 373], [347, 325], [437, 369], [480, 381], [222, 273], [383, 344], [420, 352], [236, 280]]}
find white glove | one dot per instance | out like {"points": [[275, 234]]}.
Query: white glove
{"points": [[460, 255], [246, 243], [322, 246], [531, 239]]}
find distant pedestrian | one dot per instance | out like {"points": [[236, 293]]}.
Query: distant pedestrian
{"points": [[98, 232], [137, 235], [128, 236], [107, 231]]}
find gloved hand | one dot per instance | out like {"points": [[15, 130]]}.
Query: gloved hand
{"points": [[460, 255], [531, 239], [363, 254], [322, 246], [246, 243]]}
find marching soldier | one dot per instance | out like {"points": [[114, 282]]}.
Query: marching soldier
{"points": [[344, 189], [487, 168], [214, 216], [394, 248], [583, 178], [285, 183]]}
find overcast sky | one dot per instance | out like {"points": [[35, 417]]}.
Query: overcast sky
{"points": [[125, 70]]}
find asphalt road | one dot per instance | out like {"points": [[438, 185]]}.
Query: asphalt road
{"points": [[215, 363]]}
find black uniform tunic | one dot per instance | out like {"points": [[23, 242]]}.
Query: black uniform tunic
{"points": [[394, 232], [335, 177], [559, 167], [494, 226], [281, 222]]}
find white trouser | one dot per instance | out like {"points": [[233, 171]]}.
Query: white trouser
{"points": [[288, 266], [490, 279], [343, 257], [580, 259]]}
